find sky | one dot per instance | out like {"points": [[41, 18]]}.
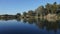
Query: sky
{"points": [[19, 6]]}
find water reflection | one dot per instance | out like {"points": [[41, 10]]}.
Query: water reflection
{"points": [[43, 24]]}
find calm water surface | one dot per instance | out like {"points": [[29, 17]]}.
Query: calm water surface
{"points": [[29, 27]]}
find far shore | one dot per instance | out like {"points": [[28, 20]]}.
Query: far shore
{"points": [[49, 17]]}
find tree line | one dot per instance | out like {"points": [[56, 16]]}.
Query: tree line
{"points": [[41, 10], [44, 10]]}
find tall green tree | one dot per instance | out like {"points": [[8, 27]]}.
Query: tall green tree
{"points": [[39, 11], [42, 10], [48, 7], [54, 7]]}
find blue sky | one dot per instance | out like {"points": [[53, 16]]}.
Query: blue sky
{"points": [[19, 6]]}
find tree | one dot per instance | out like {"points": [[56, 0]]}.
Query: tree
{"points": [[18, 15], [54, 7], [24, 14], [30, 13], [40, 10], [48, 7]]}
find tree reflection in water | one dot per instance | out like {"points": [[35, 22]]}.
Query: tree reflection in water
{"points": [[30, 21], [43, 24]]}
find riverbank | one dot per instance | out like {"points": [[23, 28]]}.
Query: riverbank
{"points": [[49, 17]]}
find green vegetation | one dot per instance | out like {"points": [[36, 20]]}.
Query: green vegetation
{"points": [[40, 12], [44, 11]]}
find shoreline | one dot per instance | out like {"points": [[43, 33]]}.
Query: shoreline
{"points": [[48, 17]]}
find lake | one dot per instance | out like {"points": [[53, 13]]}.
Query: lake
{"points": [[29, 26]]}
